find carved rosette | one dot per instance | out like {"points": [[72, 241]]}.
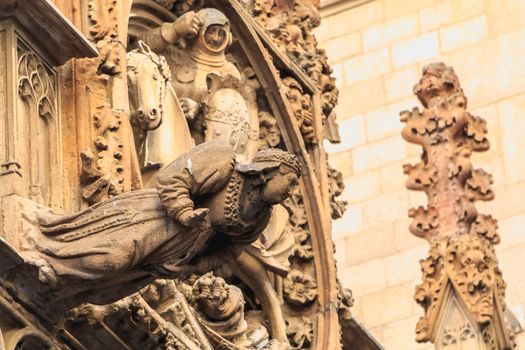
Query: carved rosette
{"points": [[462, 262]]}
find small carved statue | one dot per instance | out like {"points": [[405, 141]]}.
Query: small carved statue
{"points": [[205, 36], [215, 207], [220, 308]]}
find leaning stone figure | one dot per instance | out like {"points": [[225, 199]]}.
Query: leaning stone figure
{"points": [[206, 209]]}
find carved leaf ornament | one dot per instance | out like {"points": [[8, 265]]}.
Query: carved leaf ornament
{"points": [[462, 262]]}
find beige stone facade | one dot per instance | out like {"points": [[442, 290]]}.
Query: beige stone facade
{"points": [[377, 49]]}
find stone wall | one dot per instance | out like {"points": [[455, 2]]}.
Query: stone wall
{"points": [[377, 49]]}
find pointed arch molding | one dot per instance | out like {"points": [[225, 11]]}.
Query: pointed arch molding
{"points": [[267, 63]]}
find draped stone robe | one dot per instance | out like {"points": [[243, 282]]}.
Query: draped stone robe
{"points": [[117, 246]]}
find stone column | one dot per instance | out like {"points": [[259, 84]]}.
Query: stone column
{"points": [[462, 291]]}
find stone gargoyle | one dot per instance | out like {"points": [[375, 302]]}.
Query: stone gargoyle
{"points": [[206, 209]]}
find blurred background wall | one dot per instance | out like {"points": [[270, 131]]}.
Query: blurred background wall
{"points": [[377, 49]]}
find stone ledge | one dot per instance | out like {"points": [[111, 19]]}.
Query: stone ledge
{"points": [[50, 29]]}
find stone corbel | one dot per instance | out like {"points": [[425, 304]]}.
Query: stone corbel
{"points": [[52, 31]]}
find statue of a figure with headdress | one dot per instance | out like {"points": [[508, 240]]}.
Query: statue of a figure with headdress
{"points": [[202, 215]]}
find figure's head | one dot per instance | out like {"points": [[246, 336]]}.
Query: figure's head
{"points": [[279, 185], [214, 35], [279, 172]]}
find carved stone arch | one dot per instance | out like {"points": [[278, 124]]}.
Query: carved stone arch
{"points": [[269, 65], [146, 15], [39, 119], [455, 328], [2, 343], [26, 339]]}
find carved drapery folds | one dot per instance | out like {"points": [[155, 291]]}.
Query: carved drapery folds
{"points": [[460, 274]]}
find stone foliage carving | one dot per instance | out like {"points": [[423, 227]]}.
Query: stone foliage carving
{"points": [[336, 188], [300, 332], [109, 164], [290, 25], [462, 256], [299, 288], [302, 108]]}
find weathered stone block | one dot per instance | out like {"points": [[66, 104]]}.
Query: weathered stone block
{"points": [[512, 232], [362, 186], [354, 130], [404, 266], [487, 69], [394, 8], [463, 34], [359, 277], [356, 18], [342, 161], [388, 305], [422, 48], [358, 246], [398, 84], [375, 155], [392, 176], [389, 32], [403, 239], [364, 96], [343, 47], [350, 224], [385, 122], [509, 261], [385, 209], [433, 17], [400, 335], [366, 66], [512, 124], [504, 16]]}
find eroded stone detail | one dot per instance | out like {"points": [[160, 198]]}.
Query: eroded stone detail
{"points": [[462, 256]]}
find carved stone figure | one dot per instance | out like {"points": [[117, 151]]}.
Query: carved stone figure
{"points": [[461, 274], [302, 108], [115, 247], [206, 35], [160, 130]]}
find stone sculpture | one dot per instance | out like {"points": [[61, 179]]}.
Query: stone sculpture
{"points": [[203, 77], [463, 290], [160, 130], [117, 246], [125, 242]]}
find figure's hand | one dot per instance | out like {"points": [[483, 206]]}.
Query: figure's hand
{"points": [[189, 107], [193, 218], [187, 26]]}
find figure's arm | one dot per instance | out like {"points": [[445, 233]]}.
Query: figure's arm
{"points": [[174, 191], [194, 174], [186, 26]]}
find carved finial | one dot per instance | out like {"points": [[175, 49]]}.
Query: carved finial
{"points": [[462, 262]]}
